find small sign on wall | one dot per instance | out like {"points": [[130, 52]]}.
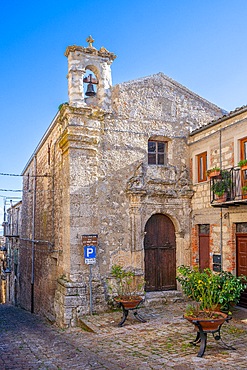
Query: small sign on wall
{"points": [[216, 262], [217, 259]]}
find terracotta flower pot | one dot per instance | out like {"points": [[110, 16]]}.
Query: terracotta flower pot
{"points": [[214, 174], [129, 302], [208, 324], [221, 198]]}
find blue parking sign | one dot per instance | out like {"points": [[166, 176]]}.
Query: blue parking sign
{"points": [[90, 254]]}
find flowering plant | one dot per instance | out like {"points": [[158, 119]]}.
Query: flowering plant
{"points": [[126, 284], [211, 289]]}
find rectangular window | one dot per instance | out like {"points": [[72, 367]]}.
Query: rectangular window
{"points": [[243, 149], [157, 152], [204, 229], [241, 227], [49, 155], [28, 181], [243, 156], [202, 167]]}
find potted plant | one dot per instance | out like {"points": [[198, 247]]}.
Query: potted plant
{"points": [[213, 172], [244, 190], [213, 291], [243, 164], [222, 187], [126, 286]]}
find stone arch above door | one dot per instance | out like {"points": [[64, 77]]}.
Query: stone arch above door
{"points": [[160, 253]]}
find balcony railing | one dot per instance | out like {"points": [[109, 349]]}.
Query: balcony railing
{"points": [[227, 188], [10, 230]]}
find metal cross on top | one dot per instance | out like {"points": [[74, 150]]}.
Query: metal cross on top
{"points": [[90, 41]]}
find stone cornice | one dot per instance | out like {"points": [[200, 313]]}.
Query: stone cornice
{"points": [[86, 139], [102, 52], [87, 111]]}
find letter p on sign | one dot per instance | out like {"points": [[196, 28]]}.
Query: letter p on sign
{"points": [[90, 254]]}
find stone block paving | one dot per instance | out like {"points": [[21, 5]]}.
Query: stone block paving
{"points": [[28, 341]]}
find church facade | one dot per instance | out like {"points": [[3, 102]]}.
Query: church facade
{"points": [[117, 164]]}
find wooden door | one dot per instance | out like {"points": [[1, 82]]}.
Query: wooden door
{"points": [[242, 254], [242, 263], [160, 254], [203, 246]]}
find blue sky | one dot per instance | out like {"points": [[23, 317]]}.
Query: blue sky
{"points": [[200, 43]]}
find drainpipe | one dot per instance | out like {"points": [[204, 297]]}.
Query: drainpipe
{"points": [[33, 234], [221, 216], [53, 190], [220, 149], [4, 209], [221, 238]]}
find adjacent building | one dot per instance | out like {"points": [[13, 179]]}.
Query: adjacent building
{"points": [[219, 216], [9, 254]]}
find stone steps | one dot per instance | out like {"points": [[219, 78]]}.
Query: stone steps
{"points": [[163, 297]]}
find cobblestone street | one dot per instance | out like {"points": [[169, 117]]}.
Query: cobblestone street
{"points": [[29, 342]]}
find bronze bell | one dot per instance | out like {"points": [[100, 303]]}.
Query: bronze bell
{"points": [[90, 90]]}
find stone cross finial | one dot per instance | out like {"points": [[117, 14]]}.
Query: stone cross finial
{"points": [[90, 41]]}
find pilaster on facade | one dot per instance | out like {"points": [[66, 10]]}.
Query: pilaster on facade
{"points": [[136, 227], [81, 128]]}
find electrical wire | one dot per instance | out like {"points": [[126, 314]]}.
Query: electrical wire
{"points": [[8, 174], [4, 196], [14, 174], [13, 190]]}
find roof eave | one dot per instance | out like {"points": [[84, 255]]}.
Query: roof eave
{"points": [[219, 120]]}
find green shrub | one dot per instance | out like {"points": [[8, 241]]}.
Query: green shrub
{"points": [[211, 289]]}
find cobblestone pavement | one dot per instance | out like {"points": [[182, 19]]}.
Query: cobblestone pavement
{"points": [[163, 342]]}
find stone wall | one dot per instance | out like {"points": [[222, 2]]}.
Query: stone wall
{"points": [[41, 261]]}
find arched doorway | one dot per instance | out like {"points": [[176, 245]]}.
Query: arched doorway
{"points": [[160, 254]]}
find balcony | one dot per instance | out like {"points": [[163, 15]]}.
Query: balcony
{"points": [[227, 189], [10, 230]]}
